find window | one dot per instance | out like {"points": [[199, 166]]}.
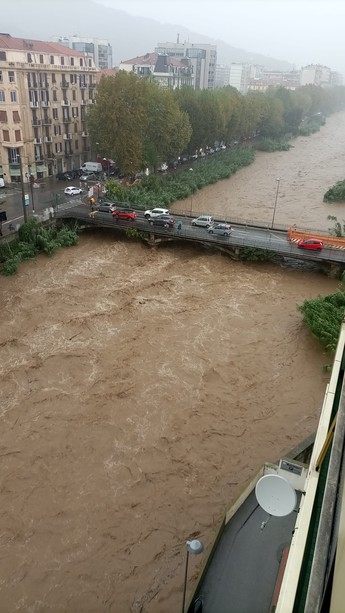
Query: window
{"points": [[72, 61], [11, 76], [29, 58], [52, 59], [3, 117], [53, 77], [90, 63], [3, 56], [54, 95], [74, 111], [0, 76], [75, 128], [18, 135], [41, 59], [77, 144], [6, 136], [2, 95], [81, 61], [55, 114], [16, 116], [74, 96], [62, 60], [57, 130], [58, 147], [13, 96]]}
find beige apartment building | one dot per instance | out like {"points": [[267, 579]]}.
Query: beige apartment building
{"points": [[45, 91]]}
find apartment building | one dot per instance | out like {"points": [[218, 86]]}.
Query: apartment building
{"points": [[315, 74], [240, 77], [203, 59], [98, 48], [222, 76], [168, 72], [45, 91]]}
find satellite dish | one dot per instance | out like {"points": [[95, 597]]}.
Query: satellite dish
{"points": [[275, 495]]}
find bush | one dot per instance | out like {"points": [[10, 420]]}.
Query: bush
{"points": [[324, 316], [270, 145], [335, 193], [252, 254]]}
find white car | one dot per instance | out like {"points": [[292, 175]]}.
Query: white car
{"points": [[155, 213], [205, 221], [73, 191]]}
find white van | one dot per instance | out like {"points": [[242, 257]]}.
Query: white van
{"points": [[88, 167]]}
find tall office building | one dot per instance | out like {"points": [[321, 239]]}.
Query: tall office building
{"points": [[240, 77], [45, 90], [203, 59], [99, 49]]}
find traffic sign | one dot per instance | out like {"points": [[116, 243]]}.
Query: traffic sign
{"points": [[27, 200]]}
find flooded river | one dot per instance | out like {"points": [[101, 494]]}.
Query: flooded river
{"points": [[141, 389]]}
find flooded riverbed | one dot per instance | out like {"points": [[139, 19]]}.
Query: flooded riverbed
{"points": [[141, 389]]}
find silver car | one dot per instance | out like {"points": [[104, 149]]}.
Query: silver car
{"points": [[205, 221], [220, 228]]}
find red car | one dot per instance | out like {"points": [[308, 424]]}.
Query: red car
{"points": [[310, 243], [124, 214]]}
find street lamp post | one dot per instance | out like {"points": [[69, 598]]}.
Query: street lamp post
{"points": [[195, 547], [275, 202], [31, 182], [19, 157]]}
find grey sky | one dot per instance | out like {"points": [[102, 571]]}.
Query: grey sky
{"points": [[298, 31]]}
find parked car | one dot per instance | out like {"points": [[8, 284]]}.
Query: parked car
{"points": [[64, 176], [124, 214], [220, 228], [89, 177], [162, 220], [205, 221], [310, 243], [73, 191], [154, 212], [106, 207]]}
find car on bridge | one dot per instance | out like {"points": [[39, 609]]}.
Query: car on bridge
{"points": [[106, 207], [73, 191], [224, 229], [162, 220], [155, 212], [204, 221], [124, 214], [313, 244]]}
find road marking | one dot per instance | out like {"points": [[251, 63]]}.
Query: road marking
{"points": [[11, 220]]}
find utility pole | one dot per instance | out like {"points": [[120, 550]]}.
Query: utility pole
{"points": [[275, 202], [19, 157]]}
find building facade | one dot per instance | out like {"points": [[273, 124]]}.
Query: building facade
{"points": [[240, 77], [203, 59], [168, 72], [98, 48], [45, 91], [222, 76]]}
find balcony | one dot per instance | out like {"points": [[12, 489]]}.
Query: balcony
{"points": [[46, 121], [36, 122], [65, 103], [44, 85], [48, 139], [45, 104], [90, 101], [67, 136], [33, 104], [83, 85], [64, 84], [37, 141], [68, 153], [66, 120], [85, 134], [83, 102]]}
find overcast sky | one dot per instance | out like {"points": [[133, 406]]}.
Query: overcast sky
{"points": [[298, 31]]}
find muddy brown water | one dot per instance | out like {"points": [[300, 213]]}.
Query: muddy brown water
{"points": [[140, 391]]}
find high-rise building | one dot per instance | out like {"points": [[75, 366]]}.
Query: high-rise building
{"points": [[45, 90], [203, 59], [99, 49], [240, 77], [222, 75], [315, 74]]}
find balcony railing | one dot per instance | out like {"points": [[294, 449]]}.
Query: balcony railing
{"points": [[45, 104], [48, 139], [66, 120], [38, 141], [64, 84], [67, 136], [46, 121], [33, 104], [85, 134], [65, 103], [36, 122]]}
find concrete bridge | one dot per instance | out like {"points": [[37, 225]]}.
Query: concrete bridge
{"points": [[243, 236]]}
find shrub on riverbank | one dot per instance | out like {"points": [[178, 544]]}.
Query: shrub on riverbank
{"points": [[33, 238], [252, 254], [323, 316], [158, 191], [335, 193], [270, 145]]}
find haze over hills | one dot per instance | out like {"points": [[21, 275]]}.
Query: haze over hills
{"points": [[129, 36]]}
